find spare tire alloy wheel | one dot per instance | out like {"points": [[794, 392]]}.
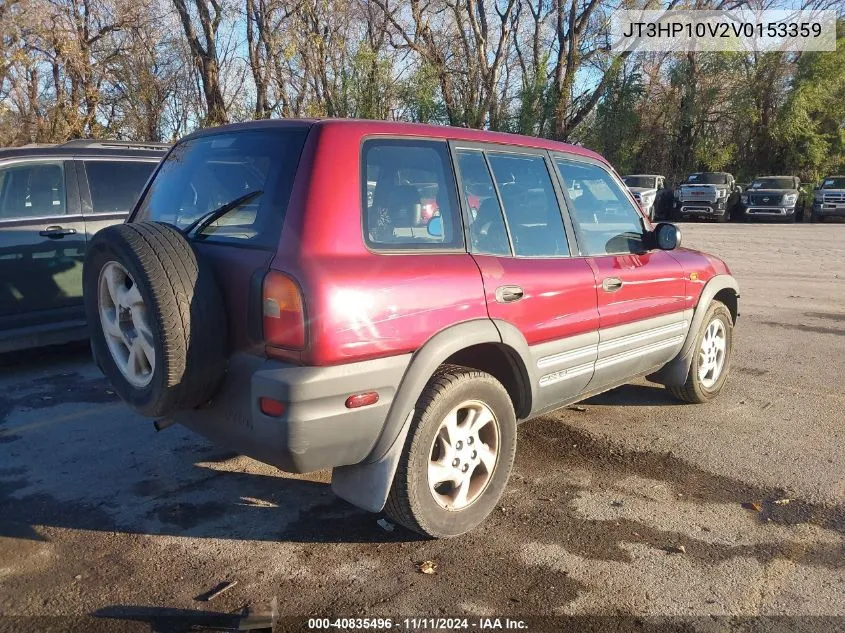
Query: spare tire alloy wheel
{"points": [[463, 455], [125, 322], [156, 317]]}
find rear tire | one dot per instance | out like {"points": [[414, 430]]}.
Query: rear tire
{"points": [[709, 370], [436, 447], [165, 302]]}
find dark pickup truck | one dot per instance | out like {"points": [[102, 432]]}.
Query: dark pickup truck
{"points": [[773, 197]]}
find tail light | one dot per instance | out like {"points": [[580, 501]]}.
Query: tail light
{"points": [[284, 315]]}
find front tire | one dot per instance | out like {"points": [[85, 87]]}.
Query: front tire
{"points": [[458, 454], [711, 361]]}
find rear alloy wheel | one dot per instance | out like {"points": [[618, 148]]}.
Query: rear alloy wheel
{"points": [[463, 455], [711, 357], [458, 454]]}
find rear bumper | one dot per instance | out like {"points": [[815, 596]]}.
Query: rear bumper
{"points": [[317, 430]]}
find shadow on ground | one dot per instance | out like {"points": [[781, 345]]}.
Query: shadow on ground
{"points": [[105, 469]]}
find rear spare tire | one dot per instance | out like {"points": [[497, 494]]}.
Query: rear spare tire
{"points": [[156, 317]]}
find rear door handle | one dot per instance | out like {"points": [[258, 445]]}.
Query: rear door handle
{"points": [[611, 284], [508, 294], [56, 232]]}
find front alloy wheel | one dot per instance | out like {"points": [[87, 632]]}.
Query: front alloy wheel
{"points": [[711, 358]]}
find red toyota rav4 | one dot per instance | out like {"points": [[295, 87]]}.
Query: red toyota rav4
{"points": [[279, 290]]}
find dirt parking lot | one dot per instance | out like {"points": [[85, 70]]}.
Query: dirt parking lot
{"points": [[635, 505]]}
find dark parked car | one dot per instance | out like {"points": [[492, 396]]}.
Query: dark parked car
{"points": [[829, 199], [710, 195], [773, 197], [274, 291], [53, 199]]}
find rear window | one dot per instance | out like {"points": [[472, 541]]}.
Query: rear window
{"points": [[203, 174], [116, 185]]}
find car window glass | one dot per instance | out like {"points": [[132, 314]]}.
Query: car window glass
{"points": [[202, 174], [115, 185], [408, 196], [530, 205], [32, 190], [607, 222], [488, 235]]}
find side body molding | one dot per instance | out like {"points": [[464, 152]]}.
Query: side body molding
{"points": [[367, 484], [674, 373]]}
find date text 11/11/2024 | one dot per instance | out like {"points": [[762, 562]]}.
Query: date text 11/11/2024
{"points": [[418, 624]]}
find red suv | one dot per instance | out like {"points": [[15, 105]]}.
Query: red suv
{"points": [[389, 300]]}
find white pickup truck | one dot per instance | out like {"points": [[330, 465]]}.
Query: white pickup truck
{"points": [[646, 189], [705, 195]]}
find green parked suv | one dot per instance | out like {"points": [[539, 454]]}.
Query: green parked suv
{"points": [[53, 199]]}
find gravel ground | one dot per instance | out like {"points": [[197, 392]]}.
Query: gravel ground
{"points": [[634, 506]]}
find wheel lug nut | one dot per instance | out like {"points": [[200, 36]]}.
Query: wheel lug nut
{"points": [[465, 468], [456, 462], [474, 454], [469, 440], [459, 445]]}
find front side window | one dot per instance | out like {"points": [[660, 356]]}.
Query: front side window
{"points": [[606, 221], [32, 190], [116, 185], [408, 196], [530, 205], [202, 175]]}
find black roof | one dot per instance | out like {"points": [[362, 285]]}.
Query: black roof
{"points": [[88, 147]]}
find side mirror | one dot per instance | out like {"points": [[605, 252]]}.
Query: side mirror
{"points": [[667, 236], [435, 226]]}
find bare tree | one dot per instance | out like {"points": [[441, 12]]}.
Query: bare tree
{"points": [[209, 14]]}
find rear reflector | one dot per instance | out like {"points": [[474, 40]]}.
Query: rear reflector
{"points": [[271, 407], [283, 314], [361, 400]]}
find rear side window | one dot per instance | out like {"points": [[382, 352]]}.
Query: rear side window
{"points": [[488, 233], [201, 175], [32, 190], [606, 221], [116, 185], [530, 204], [408, 196]]}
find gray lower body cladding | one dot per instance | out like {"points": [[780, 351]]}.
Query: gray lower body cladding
{"points": [[316, 430]]}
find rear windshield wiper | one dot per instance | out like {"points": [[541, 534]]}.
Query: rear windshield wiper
{"points": [[202, 222]]}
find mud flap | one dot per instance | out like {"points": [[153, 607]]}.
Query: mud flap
{"points": [[367, 485]]}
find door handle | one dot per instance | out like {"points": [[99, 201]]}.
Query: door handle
{"points": [[508, 294], [56, 232], [611, 284]]}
